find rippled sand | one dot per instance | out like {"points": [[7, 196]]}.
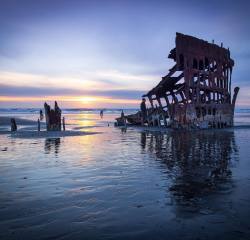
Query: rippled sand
{"points": [[125, 184]]}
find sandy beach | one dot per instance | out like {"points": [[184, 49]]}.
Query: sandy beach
{"points": [[28, 129], [123, 184]]}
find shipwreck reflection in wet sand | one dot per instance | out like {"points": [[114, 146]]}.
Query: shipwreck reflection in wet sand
{"points": [[52, 144], [197, 162]]}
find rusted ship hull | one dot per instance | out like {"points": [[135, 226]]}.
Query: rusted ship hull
{"points": [[132, 119], [196, 92]]}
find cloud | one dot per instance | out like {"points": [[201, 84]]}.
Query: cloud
{"points": [[87, 80], [19, 91], [115, 48]]}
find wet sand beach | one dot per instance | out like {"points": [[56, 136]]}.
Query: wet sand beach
{"points": [[124, 183]]}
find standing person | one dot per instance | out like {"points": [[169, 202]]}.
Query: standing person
{"points": [[122, 114], [41, 114], [143, 110], [101, 113], [13, 125], [123, 118]]}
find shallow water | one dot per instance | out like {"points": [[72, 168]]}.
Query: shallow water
{"points": [[131, 184]]}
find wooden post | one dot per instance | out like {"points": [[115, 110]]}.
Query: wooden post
{"points": [[13, 125], [38, 125], [230, 83], [63, 122], [53, 117]]}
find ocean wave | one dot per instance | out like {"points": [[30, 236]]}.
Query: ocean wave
{"points": [[68, 110]]}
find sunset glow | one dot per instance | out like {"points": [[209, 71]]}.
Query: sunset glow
{"points": [[74, 101], [84, 56], [86, 100]]}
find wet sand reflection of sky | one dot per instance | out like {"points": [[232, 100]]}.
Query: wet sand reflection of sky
{"points": [[196, 161], [118, 184]]}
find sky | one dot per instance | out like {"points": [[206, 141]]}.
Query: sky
{"points": [[108, 53]]}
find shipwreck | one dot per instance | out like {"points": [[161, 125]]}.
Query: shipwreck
{"points": [[196, 92]]}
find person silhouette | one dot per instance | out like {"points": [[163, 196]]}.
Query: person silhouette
{"points": [[101, 113], [143, 108]]}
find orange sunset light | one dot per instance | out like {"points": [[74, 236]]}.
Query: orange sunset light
{"points": [[85, 100]]}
